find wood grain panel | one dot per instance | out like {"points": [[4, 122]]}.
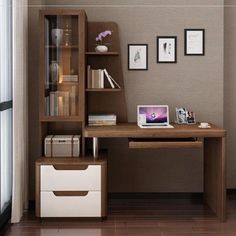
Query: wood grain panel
{"points": [[214, 175], [114, 103], [132, 130], [169, 145]]}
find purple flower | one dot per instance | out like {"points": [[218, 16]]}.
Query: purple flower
{"points": [[103, 35]]}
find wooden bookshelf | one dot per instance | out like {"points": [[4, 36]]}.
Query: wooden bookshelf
{"points": [[61, 119], [62, 46], [103, 90], [106, 100], [102, 54], [69, 55]]}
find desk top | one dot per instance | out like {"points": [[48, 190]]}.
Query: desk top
{"points": [[132, 130]]}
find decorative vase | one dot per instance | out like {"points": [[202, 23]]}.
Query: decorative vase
{"points": [[101, 48], [57, 36], [54, 71]]}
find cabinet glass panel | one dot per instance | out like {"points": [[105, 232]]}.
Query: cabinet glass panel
{"points": [[61, 65]]}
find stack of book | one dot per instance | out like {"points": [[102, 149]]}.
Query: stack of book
{"points": [[69, 78], [61, 103], [101, 119], [96, 78]]}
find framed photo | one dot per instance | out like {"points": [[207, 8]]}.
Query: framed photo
{"points": [[167, 49], [191, 117], [181, 115], [194, 42], [137, 57]]}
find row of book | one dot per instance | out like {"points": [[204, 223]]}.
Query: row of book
{"points": [[97, 78], [61, 103], [101, 119]]}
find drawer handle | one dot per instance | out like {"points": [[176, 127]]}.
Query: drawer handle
{"points": [[70, 193], [70, 167]]}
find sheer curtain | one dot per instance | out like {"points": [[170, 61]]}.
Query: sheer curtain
{"points": [[20, 154], [6, 103]]}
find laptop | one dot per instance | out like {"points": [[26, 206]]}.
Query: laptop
{"points": [[153, 116]]}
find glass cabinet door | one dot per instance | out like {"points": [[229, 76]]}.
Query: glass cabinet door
{"points": [[61, 65]]}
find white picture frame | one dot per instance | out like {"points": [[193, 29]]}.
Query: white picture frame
{"points": [[137, 57], [194, 42]]}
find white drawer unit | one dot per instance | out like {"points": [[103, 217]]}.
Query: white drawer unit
{"points": [[86, 178], [58, 205], [71, 187]]}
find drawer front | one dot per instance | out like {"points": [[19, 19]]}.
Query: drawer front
{"points": [[53, 179], [71, 206]]}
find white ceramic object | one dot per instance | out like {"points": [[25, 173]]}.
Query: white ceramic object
{"points": [[54, 70], [101, 48], [204, 125], [57, 36]]}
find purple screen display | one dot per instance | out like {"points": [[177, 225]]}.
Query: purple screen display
{"points": [[154, 114]]}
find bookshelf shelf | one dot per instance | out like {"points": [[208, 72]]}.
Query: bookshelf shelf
{"points": [[103, 90], [61, 119], [62, 46], [102, 53]]}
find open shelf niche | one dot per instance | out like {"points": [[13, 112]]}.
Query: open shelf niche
{"points": [[106, 100]]}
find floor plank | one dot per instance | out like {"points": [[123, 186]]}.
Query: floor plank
{"points": [[137, 217]]}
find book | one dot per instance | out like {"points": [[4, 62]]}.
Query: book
{"points": [[108, 78], [70, 78], [95, 78], [114, 81], [66, 104], [47, 106], [73, 101], [101, 119], [51, 103], [59, 103], [89, 84]]}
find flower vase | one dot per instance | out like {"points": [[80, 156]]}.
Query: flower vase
{"points": [[54, 71], [101, 48]]}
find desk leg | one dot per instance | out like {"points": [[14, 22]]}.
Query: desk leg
{"points": [[95, 147], [214, 176]]}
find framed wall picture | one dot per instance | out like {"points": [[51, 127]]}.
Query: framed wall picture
{"points": [[194, 42], [137, 57], [166, 49]]}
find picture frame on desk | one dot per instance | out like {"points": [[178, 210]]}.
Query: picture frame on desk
{"points": [[166, 49], [194, 42], [137, 56], [181, 115]]}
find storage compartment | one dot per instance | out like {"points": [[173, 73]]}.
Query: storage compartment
{"points": [[62, 146], [159, 143], [70, 177], [67, 205]]}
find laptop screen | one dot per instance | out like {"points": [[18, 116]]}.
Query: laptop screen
{"points": [[154, 114]]}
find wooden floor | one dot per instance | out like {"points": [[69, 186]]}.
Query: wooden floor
{"points": [[132, 217]]}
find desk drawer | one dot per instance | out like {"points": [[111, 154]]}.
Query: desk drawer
{"points": [[165, 143], [70, 178], [67, 204]]}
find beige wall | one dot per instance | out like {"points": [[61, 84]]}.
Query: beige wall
{"points": [[230, 87], [194, 82]]}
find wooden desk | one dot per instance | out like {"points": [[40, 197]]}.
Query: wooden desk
{"points": [[214, 153]]}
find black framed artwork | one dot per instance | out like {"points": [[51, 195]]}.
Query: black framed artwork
{"points": [[166, 49], [137, 57], [194, 42]]}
